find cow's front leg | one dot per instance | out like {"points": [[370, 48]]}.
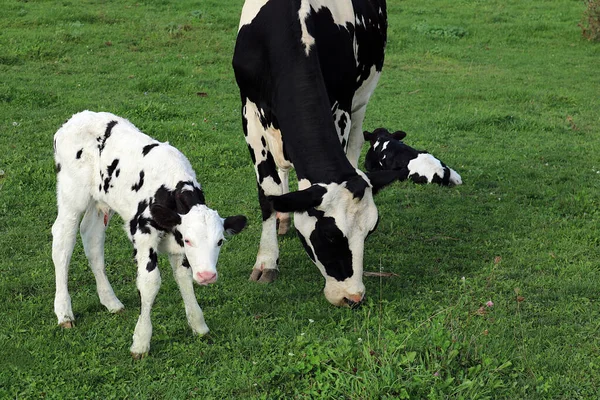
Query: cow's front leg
{"points": [[183, 276], [283, 219], [148, 283]]}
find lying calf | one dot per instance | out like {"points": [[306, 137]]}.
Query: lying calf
{"points": [[105, 164], [388, 152]]}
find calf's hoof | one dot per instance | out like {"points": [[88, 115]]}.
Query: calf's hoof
{"points": [[264, 276], [66, 324], [139, 356]]}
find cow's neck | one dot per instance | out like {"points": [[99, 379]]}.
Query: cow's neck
{"points": [[301, 106]]}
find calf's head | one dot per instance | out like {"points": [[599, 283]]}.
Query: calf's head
{"points": [[332, 221], [197, 229]]}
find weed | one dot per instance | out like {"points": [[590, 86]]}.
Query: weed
{"points": [[590, 22]]}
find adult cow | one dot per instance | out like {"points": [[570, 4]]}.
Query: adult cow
{"points": [[306, 70]]}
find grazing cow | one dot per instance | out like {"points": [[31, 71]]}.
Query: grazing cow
{"points": [[105, 164], [306, 70], [388, 152]]}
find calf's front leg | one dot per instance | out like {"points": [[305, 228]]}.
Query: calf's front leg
{"points": [[148, 283], [183, 276]]}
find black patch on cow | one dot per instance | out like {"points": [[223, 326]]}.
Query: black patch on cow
{"points": [[153, 262], [109, 173], [117, 172], [134, 253], [178, 237], [186, 263], [147, 148], [78, 155], [57, 168], [263, 152], [268, 168], [357, 186], [331, 246], [251, 150], [266, 208], [263, 141], [100, 187], [343, 121], [306, 246], [107, 133], [136, 187], [416, 178]]}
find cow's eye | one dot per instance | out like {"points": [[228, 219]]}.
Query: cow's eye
{"points": [[187, 241], [220, 243]]}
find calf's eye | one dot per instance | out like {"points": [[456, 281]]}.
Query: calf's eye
{"points": [[220, 242], [188, 242]]}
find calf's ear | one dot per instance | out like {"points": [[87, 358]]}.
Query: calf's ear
{"points": [[164, 217], [300, 200], [380, 179], [399, 135], [234, 225]]}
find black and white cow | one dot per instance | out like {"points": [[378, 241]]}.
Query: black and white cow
{"points": [[105, 164], [388, 152], [306, 70]]}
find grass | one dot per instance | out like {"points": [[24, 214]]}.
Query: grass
{"points": [[504, 92]]}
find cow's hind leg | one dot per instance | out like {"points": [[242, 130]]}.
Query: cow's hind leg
{"points": [[183, 276], [92, 230], [269, 184]]}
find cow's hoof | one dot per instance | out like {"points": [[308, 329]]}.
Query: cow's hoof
{"points": [[66, 324], [138, 356], [264, 276]]}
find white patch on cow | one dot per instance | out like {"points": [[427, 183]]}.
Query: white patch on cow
{"points": [[341, 11], [426, 165], [385, 145], [377, 143], [339, 114], [250, 10]]}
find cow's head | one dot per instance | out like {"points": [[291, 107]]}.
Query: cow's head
{"points": [[198, 229], [332, 222], [388, 152]]}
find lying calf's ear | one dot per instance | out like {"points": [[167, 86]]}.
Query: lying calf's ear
{"points": [[234, 225], [381, 179], [399, 135], [164, 217], [300, 200]]}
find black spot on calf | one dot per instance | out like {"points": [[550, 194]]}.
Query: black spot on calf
{"points": [[152, 264], [78, 155], [107, 134], [149, 147], [136, 187]]}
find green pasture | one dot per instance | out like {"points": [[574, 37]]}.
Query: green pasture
{"points": [[505, 92]]}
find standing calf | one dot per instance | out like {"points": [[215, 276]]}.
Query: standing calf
{"points": [[388, 152], [105, 164]]}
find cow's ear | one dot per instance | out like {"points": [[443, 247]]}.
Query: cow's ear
{"points": [[367, 135], [381, 179], [234, 225], [399, 135], [300, 200], [164, 216]]}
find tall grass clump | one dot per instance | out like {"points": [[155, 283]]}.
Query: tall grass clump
{"points": [[590, 22]]}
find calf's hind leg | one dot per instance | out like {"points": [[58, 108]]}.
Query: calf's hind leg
{"points": [[64, 233], [93, 230]]}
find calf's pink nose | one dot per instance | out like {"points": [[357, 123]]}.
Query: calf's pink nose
{"points": [[206, 277]]}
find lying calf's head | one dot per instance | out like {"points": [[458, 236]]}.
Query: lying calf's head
{"points": [[198, 230], [388, 152], [332, 221]]}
